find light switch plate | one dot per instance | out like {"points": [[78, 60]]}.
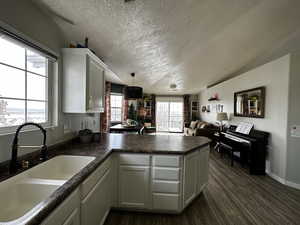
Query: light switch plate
{"points": [[295, 131]]}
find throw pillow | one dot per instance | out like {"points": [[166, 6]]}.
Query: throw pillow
{"points": [[203, 125], [193, 124], [200, 124]]}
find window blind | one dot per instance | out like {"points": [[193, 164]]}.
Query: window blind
{"points": [[169, 99], [11, 35]]}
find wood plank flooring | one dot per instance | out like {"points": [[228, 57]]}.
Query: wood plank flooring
{"points": [[232, 197]]}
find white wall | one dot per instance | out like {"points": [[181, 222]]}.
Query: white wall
{"points": [[275, 77], [293, 154], [27, 19]]}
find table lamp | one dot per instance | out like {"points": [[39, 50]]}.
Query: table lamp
{"points": [[222, 116]]}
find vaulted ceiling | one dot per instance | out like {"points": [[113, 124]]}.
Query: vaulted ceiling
{"points": [[192, 43]]}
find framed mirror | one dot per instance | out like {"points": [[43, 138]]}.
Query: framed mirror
{"points": [[250, 103]]}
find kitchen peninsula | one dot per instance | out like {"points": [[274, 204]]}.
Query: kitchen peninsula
{"points": [[151, 173]]}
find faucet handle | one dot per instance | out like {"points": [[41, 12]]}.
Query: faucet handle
{"points": [[25, 164]]}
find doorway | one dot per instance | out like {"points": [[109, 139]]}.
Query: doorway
{"points": [[169, 114]]}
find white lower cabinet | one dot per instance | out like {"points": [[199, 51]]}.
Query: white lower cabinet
{"points": [[166, 202], [166, 183], [161, 186], [134, 186], [203, 168], [74, 218], [67, 213], [190, 177], [97, 203]]}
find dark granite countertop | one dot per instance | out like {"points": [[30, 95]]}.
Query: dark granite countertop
{"points": [[129, 143]]}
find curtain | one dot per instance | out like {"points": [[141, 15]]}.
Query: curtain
{"points": [[125, 106], [186, 109], [153, 115], [105, 117]]}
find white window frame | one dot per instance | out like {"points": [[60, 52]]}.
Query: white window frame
{"points": [[51, 73], [116, 94]]}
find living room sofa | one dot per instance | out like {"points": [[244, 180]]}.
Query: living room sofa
{"points": [[200, 128]]}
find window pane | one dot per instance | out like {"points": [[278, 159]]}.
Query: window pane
{"points": [[11, 53], [116, 114], [116, 100], [36, 63], [36, 112], [36, 87], [12, 82], [12, 112]]}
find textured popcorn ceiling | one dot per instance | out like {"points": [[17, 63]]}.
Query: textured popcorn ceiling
{"points": [[192, 43]]}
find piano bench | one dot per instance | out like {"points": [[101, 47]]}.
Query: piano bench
{"points": [[230, 149]]}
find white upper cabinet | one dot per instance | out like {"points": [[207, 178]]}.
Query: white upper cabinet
{"points": [[84, 81]]}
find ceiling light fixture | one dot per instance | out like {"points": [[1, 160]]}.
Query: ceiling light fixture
{"points": [[133, 92]]}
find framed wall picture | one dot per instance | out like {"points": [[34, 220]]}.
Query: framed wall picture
{"points": [[250, 103]]}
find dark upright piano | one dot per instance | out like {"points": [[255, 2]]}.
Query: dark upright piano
{"points": [[252, 147]]}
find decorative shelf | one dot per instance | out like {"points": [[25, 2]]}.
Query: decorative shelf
{"points": [[213, 99]]}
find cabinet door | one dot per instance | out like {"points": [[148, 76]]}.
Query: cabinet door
{"points": [[134, 186], [68, 210], [203, 168], [190, 177], [96, 205], [95, 87], [73, 219]]}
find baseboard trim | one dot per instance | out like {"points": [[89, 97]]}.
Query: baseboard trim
{"points": [[292, 184], [283, 181], [275, 177]]}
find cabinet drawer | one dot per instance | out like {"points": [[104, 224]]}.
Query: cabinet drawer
{"points": [[166, 186], [166, 161], [134, 159], [160, 173], [91, 181], [167, 202]]}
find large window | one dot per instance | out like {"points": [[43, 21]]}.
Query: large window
{"points": [[23, 85], [116, 107]]}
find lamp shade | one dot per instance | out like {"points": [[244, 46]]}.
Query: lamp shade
{"points": [[221, 116]]}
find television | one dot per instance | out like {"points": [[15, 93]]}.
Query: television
{"points": [[133, 92]]}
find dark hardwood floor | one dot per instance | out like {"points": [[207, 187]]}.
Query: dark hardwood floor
{"points": [[232, 197]]}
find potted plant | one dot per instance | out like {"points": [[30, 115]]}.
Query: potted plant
{"points": [[85, 136]]}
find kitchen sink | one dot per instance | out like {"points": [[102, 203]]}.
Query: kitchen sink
{"points": [[21, 198], [60, 168], [22, 195]]}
